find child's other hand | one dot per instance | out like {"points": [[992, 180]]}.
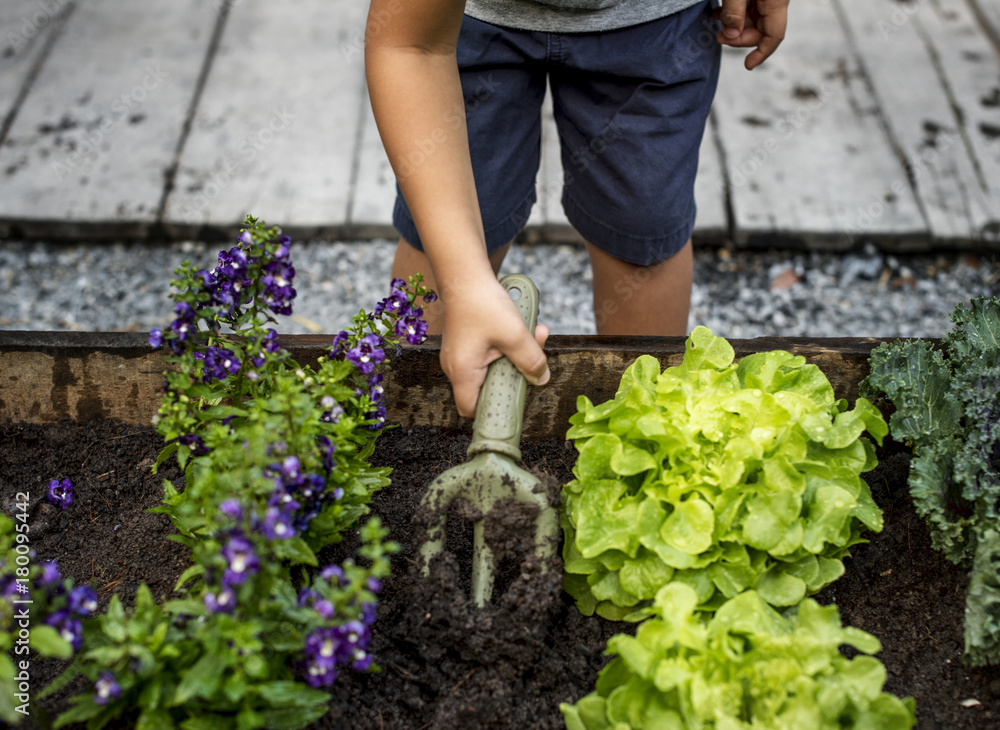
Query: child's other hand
{"points": [[482, 324], [758, 24]]}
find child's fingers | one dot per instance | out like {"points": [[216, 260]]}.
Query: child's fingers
{"points": [[733, 15]]}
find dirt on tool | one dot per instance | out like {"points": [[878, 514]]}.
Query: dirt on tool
{"points": [[446, 664]]}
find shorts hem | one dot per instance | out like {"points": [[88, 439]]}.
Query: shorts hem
{"points": [[637, 250], [497, 236]]}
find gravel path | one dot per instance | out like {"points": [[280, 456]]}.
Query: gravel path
{"points": [[737, 294]]}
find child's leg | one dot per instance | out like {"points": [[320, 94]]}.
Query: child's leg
{"points": [[631, 107], [641, 300], [409, 261]]}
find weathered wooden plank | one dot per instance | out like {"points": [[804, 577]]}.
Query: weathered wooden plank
{"points": [[549, 211], [26, 27], [988, 12], [45, 376], [712, 222], [95, 137], [970, 68], [374, 193], [276, 130], [807, 159], [905, 72]]}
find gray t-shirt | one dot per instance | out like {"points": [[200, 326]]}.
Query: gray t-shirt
{"points": [[572, 16]]}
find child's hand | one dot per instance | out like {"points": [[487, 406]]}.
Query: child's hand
{"points": [[482, 324], [758, 24]]}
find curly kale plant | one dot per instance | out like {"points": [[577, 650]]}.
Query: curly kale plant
{"points": [[947, 404], [275, 454], [719, 475], [744, 667]]}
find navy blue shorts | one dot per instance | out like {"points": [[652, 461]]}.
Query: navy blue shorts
{"points": [[631, 107]]}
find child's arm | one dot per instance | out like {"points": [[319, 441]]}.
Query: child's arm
{"points": [[757, 24], [417, 99]]}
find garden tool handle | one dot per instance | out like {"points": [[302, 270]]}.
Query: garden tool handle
{"points": [[500, 408]]}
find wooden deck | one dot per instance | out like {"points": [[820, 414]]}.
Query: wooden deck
{"points": [[876, 120]]}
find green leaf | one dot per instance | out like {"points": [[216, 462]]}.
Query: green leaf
{"points": [[293, 718], [294, 550], [47, 642], [208, 722], [158, 719], [201, 680], [827, 517], [644, 575], [779, 587], [606, 519], [113, 622], [689, 527], [289, 694]]}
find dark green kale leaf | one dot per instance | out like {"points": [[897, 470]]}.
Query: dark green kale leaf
{"points": [[947, 405]]}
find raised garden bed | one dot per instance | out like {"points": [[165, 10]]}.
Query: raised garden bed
{"points": [[77, 405]]}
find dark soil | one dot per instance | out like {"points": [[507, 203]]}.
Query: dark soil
{"points": [[444, 663]]}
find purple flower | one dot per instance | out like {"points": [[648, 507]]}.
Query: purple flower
{"points": [[412, 326], [321, 661], [219, 364], [340, 343], [61, 493], [195, 443], [271, 341], [155, 337], [71, 630], [328, 448], [430, 297], [241, 560], [367, 354], [362, 661], [374, 584], [106, 689], [397, 303], [50, 574], [334, 411], [378, 416], [231, 508], [278, 523], [397, 283], [246, 238], [83, 600], [368, 613], [375, 381], [333, 571], [222, 602], [277, 281]]}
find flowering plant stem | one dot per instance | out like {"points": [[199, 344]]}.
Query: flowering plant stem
{"points": [[275, 455]]}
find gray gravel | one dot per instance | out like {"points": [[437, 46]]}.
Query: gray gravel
{"points": [[738, 294]]}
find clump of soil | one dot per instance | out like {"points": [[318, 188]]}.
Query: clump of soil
{"points": [[446, 664]]}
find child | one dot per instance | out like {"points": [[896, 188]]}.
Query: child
{"points": [[456, 88]]}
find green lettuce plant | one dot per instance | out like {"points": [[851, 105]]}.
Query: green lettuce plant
{"points": [[947, 403], [723, 476], [744, 667]]}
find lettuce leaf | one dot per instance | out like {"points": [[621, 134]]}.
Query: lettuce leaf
{"points": [[746, 666], [724, 476]]}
